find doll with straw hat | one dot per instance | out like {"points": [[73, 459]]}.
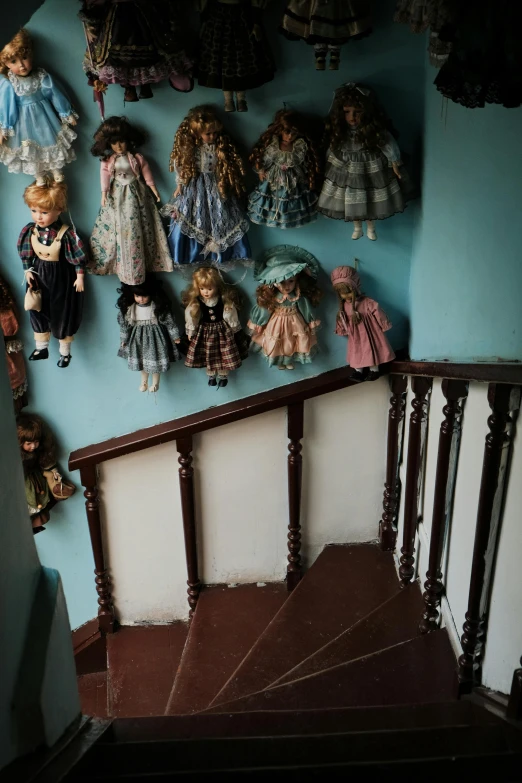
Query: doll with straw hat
{"points": [[282, 323]]}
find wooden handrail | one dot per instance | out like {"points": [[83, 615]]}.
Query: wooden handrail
{"points": [[488, 373]]}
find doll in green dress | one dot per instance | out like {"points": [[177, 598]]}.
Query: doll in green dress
{"points": [[282, 323]]}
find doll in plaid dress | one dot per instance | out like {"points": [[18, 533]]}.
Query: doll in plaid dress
{"points": [[216, 340]]}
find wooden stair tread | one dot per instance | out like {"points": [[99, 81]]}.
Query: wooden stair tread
{"points": [[142, 665], [418, 671], [343, 585], [394, 621], [225, 625]]}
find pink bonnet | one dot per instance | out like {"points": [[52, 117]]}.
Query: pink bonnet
{"points": [[348, 275]]}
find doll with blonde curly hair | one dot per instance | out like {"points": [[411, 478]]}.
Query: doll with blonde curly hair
{"points": [[208, 224], [35, 116], [216, 339], [287, 162]]}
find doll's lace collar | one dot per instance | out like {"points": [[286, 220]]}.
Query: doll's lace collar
{"points": [[26, 85]]}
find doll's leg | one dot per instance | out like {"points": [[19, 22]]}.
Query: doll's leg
{"points": [[146, 91], [211, 374], [320, 51], [41, 350], [222, 378], [130, 95], [241, 101], [370, 230], [335, 57], [357, 374], [144, 385], [357, 229], [155, 382], [373, 373], [229, 100], [65, 352], [58, 175]]}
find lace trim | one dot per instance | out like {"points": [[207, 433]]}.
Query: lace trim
{"points": [[31, 158], [20, 390], [14, 346], [27, 85], [213, 244], [180, 65], [6, 132]]}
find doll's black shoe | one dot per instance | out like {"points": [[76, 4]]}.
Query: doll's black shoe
{"points": [[37, 355], [222, 382], [146, 91], [212, 382], [130, 95], [38, 529], [64, 361], [373, 375], [358, 376]]}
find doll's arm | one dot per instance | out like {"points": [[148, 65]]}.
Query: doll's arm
{"points": [[231, 317], [303, 305], [25, 249], [105, 179], [170, 325], [8, 110], [59, 101], [125, 329], [147, 175], [191, 322], [75, 255], [391, 149], [381, 318], [259, 317]]}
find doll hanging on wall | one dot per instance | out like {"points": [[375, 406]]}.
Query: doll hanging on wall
{"points": [[282, 323], [35, 116], [327, 25], [208, 225], [287, 163], [216, 340], [361, 320], [44, 485], [128, 238], [364, 176], [13, 347], [54, 259], [234, 53], [148, 333], [135, 44]]}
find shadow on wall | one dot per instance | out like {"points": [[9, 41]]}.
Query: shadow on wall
{"points": [[18, 16]]}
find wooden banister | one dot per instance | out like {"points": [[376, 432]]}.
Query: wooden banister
{"points": [[487, 373]]}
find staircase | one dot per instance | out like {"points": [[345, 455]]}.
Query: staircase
{"points": [[333, 677]]}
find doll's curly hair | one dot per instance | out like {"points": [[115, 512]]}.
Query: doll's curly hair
{"points": [[31, 428], [6, 297], [150, 287], [19, 46], [210, 277], [115, 129], [266, 295], [289, 120], [51, 196], [230, 170], [374, 125]]}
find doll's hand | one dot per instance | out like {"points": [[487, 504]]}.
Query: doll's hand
{"points": [[71, 119], [2, 138], [177, 341], [31, 278], [79, 284], [395, 167], [177, 192], [261, 174], [256, 32], [104, 199], [158, 197]]}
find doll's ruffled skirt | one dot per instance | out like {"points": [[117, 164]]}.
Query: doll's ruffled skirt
{"points": [[149, 349], [364, 187], [216, 347], [333, 22], [286, 339], [187, 250], [279, 209]]}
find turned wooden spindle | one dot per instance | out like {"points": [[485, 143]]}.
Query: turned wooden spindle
{"points": [[455, 393], [295, 470], [503, 399], [392, 487], [186, 484], [421, 388], [102, 581]]}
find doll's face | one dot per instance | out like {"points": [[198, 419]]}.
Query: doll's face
{"points": [[352, 115], [20, 66], [207, 291], [44, 217], [119, 147], [141, 300], [288, 135], [30, 445], [208, 136], [287, 286], [346, 293]]}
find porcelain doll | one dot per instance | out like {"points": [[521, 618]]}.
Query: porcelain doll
{"points": [[361, 320], [216, 340], [135, 44], [282, 323], [54, 259], [128, 238], [35, 116], [13, 347], [234, 54], [327, 25], [44, 485], [435, 15], [364, 177], [287, 163], [148, 333], [208, 225]]}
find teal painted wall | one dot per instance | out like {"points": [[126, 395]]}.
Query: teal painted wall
{"points": [[466, 272], [97, 397]]}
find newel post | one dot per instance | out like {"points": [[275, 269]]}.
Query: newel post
{"points": [[390, 504], [503, 399], [186, 485], [455, 393], [295, 470], [421, 388], [102, 581]]}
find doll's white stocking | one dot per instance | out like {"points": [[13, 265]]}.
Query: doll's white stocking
{"points": [[155, 382], [229, 100], [144, 385], [370, 230], [357, 229], [58, 175]]}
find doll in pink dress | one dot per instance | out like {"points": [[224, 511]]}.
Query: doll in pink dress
{"points": [[363, 322]]}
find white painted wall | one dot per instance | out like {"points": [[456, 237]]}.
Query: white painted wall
{"points": [[241, 501]]}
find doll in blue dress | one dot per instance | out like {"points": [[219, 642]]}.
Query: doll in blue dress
{"points": [[35, 116]]}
